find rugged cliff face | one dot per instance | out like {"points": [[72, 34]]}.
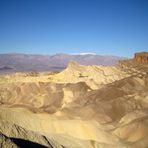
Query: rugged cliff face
{"points": [[141, 57]]}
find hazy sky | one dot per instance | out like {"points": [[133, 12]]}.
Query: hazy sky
{"points": [[110, 27]]}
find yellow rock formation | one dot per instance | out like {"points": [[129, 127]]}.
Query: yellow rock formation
{"points": [[80, 107]]}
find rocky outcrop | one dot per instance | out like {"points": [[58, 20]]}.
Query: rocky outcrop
{"points": [[141, 57], [94, 76], [5, 142], [12, 136]]}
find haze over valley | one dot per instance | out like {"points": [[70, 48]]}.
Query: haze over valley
{"points": [[26, 62]]}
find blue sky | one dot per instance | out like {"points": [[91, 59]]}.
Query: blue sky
{"points": [[108, 27]]}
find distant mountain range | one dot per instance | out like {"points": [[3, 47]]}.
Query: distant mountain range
{"points": [[27, 62]]}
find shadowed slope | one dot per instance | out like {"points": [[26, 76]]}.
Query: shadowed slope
{"points": [[24, 143]]}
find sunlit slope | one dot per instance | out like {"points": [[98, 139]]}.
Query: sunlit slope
{"points": [[94, 76]]}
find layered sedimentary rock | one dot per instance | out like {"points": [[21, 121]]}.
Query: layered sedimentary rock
{"points": [[141, 57]]}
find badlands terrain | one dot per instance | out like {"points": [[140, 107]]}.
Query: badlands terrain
{"points": [[79, 107]]}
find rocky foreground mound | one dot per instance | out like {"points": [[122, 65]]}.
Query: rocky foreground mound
{"points": [[80, 107]]}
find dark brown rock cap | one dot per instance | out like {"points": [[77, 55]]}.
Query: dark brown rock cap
{"points": [[141, 57]]}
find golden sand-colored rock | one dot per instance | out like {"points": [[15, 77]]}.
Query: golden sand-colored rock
{"points": [[80, 107], [94, 76]]}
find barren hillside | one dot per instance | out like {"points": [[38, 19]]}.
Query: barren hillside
{"points": [[80, 107]]}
